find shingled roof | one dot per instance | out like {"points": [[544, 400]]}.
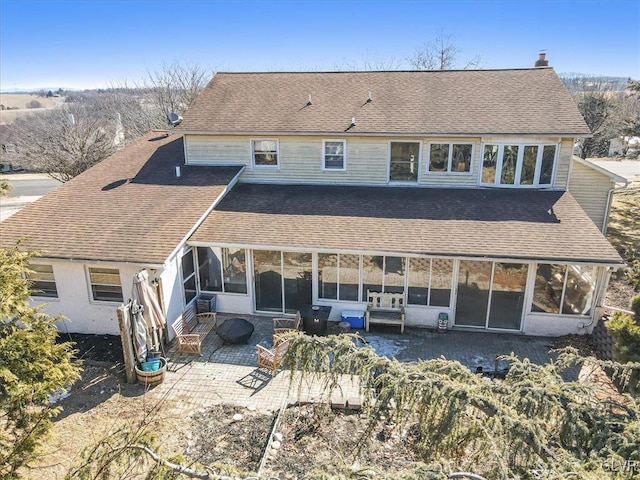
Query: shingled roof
{"points": [[527, 225], [529, 101], [130, 207]]}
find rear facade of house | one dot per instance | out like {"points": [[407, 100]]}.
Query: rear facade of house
{"points": [[449, 187]]}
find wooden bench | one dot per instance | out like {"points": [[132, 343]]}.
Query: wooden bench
{"points": [[385, 309], [191, 328]]}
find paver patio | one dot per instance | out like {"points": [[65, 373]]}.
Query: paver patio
{"points": [[229, 373]]}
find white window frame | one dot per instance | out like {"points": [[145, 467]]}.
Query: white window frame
{"points": [[521, 146], [565, 278], [88, 269], [253, 153], [419, 167], [215, 250], [31, 278], [192, 275], [450, 159], [324, 155]]}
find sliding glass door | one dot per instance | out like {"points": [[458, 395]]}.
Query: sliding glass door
{"points": [[283, 280], [491, 294], [474, 281]]}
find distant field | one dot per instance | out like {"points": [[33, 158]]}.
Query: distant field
{"points": [[21, 102]]}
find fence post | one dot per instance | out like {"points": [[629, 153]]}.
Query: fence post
{"points": [[124, 321]]}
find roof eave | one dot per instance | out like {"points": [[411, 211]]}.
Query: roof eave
{"points": [[385, 134]]}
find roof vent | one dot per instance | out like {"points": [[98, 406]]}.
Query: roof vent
{"points": [[541, 62], [369, 98], [353, 122], [309, 102]]}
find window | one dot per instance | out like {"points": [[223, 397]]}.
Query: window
{"points": [[334, 154], [265, 153], [338, 276], [563, 288], [430, 281], [403, 162], [188, 277], [44, 283], [450, 157], [105, 284], [382, 274], [518, 165], [222, 270]]}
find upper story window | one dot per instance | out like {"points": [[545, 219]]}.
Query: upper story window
{"points": [[334, 154], [518, 164], [105, 284], [403, 161], [450, 157], [44, 283], [264, 153]]}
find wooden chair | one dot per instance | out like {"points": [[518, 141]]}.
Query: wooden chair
{"points": [[282, 325], [270, 358]]}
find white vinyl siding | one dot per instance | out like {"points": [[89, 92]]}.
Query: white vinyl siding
{"points": [[590, 188], [300, 159]]}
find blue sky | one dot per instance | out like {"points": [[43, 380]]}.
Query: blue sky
{"points": [[86, 44]]}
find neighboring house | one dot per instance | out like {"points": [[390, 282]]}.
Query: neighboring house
{"points": [[450, 187], [8, 149]]}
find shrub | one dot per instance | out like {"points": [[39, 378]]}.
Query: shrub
{"points": [[635, 306], [34, 104], [626, 334]]}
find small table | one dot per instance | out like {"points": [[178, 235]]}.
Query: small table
{"points": [[235, 330], [314, 319]]}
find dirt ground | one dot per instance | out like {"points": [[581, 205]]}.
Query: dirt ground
{"points": [[102, 401], [624, 233]]}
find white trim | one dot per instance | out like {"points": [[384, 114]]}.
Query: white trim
{"points": [[184, 280], [450, 158], [253, 153], [322, 249], [87, 268], [39, 296], [418, 179], [281, 133], [519, 161], [613, 176], [344, 155]]}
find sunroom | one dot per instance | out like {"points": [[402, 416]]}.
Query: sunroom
{"points": [[524, 262]]}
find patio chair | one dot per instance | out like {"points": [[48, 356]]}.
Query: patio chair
{"points": [[270, 358], [282, 325]]}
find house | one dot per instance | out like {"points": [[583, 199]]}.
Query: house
{"points": [[8, 149], [278, 190]]}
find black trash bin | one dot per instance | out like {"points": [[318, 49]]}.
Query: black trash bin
{"points": [[314, 319]]}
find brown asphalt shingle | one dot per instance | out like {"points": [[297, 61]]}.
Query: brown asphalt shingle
{"points": [[128, 208], [526, 225], [521, 101]]}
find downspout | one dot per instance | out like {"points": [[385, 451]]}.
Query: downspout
{"points": [[609, 200]]}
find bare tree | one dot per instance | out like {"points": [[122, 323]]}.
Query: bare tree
{"points": [[64, 142], [175, 86], [598, 99], [442, 53]]}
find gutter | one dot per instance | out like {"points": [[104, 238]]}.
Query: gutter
{"points": [[605, 223]]}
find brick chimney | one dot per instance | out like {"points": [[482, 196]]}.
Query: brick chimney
{"points": [[541, 62]]}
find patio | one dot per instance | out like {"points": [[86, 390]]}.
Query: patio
{"points": [[229, 373]]}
